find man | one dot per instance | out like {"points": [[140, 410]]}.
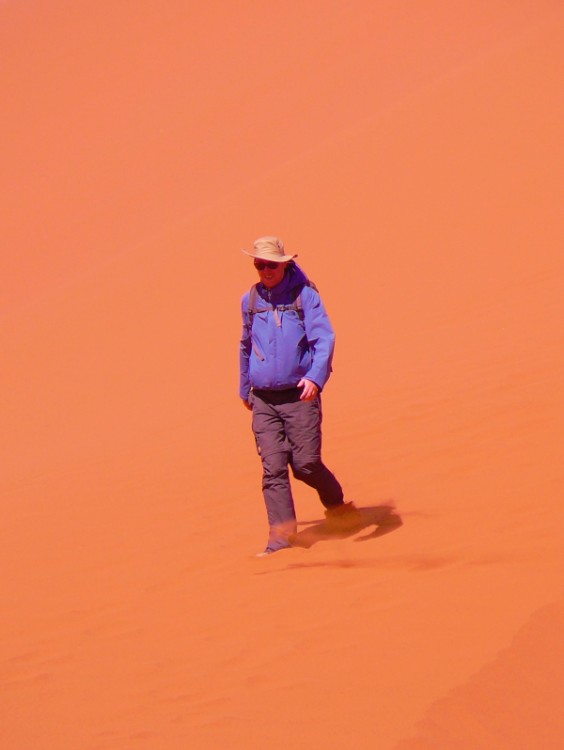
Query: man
{"points": [[285, 361]]}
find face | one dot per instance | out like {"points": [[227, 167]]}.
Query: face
{"points": [[270, 276]]}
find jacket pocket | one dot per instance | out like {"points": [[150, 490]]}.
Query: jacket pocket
{"points": [[258, 352]]}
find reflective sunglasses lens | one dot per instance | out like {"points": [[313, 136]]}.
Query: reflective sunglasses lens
{"points": [[260, 266]]}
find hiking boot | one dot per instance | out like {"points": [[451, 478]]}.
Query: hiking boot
{"points": [[270, 551], [343, 517]]}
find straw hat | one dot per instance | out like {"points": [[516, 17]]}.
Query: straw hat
{"points": [[270, 248]]}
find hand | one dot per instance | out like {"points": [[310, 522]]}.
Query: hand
{"points": [[310, 389], [247, 405]]}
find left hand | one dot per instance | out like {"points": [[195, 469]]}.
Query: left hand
{"points": [[310, 389]]}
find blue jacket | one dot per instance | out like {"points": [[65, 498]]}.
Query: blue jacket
{"points": [[282, 349]]}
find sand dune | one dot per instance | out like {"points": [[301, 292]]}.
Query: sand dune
{"points": [[411, 155]]}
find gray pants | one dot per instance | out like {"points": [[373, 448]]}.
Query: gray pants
{"points": [[288, 434]]}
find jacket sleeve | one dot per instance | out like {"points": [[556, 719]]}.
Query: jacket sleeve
{"points": [[320, 336], [244, 352]]}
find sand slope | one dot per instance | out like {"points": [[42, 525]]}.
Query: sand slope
{"points": [[412, 157]]}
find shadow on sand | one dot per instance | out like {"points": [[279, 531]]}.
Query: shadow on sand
{"points": [[383, 518]]}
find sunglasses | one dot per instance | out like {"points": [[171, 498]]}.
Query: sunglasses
{"points": [[260, 265]]}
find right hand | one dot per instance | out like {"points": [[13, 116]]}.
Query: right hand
{"points": [[247, 405]]}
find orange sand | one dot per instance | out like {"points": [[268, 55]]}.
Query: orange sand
{"points": [[411, 153]]}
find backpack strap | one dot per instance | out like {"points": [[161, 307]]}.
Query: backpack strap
{"points": [[296, 305], [253, 305], [251, 310]]}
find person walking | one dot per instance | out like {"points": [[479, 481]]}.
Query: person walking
{"points": [[286, 352]]}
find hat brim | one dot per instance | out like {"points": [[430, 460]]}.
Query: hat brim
{"points": [[269, 256]]}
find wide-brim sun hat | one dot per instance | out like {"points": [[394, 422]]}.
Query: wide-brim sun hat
{"points": [[270, 248]]}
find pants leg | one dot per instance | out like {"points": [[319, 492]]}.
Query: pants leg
{"points": [[302, 421], [270, 436]]}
